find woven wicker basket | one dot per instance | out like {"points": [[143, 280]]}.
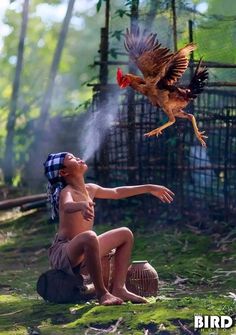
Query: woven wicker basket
{"points": [[142, 279]]}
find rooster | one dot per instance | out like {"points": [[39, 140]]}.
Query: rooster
{"points": [[161, 70]]}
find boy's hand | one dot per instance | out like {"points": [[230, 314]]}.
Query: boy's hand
{"points": [[87, 209], [162, 192]]}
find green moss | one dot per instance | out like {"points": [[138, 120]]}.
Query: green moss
{"points": [[173, 252], [185, 254]]}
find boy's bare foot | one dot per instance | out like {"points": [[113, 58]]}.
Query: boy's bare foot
{"points": [[126, 295], [109, 299]]}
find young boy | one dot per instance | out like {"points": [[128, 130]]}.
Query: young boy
{"points": [[76, 242]]}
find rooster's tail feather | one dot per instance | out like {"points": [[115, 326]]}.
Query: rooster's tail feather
{"points": [[198, 81]]}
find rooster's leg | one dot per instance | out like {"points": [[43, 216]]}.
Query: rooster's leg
{"points": [[191, 118], [158, 131]]}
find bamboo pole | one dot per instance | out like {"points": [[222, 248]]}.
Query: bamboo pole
{"points": [[103, 94], [11, 203], [173, 5], [33, 205], [134, 11]]}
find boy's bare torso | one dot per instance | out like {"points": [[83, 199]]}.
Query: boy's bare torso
{"points": [[72, 224]]}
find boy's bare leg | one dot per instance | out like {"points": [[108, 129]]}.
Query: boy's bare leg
{"points": [[122, 240], [86, 246]]}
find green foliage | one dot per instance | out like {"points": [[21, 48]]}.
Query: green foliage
{"points": [[83, 106], [122, 12], [99, 5], [219, 18], [81, 46], [113, 53], [75, 71], [117, 34]]}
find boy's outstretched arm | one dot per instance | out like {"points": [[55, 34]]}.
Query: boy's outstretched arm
{"points": [[161, 192]]}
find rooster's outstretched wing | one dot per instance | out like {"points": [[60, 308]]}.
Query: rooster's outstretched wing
{"points": [[154, 61], [177, 65]]}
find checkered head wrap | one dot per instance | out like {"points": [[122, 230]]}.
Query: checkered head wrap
{"points": [[52, 166]]}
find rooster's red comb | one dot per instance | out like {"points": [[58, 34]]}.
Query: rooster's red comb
{"points": [[119, 75]]}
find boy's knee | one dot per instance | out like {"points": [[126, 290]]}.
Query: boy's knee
{"points": [[128, 233], [91, 239]]}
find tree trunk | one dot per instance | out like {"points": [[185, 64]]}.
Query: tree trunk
{"points": [[54, 67], [9, 152], [151, 14], [35, 169]]}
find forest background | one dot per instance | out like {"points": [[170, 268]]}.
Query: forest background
{"points": [[44, 73]]}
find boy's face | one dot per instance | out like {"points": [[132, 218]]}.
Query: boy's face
{"points": [[73, 165]]}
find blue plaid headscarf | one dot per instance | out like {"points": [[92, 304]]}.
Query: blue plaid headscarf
{"points": [[52, 166]]}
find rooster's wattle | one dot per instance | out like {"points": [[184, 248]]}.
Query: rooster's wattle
{"points": [[161, 70]]}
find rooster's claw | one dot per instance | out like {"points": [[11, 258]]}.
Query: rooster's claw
{"points": [[153, 133], [201, 137]]}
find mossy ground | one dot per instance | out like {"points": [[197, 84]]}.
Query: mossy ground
{"points": [[203, 261]]}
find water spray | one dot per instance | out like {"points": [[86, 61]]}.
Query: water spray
{"points": [[97, 125]]}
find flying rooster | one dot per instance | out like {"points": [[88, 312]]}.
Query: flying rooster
{"points": [[161, 70]]}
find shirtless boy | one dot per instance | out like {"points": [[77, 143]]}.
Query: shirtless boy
{"points": [[76, 242]]}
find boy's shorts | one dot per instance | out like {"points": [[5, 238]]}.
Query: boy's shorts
{"points": [[58, 256]]}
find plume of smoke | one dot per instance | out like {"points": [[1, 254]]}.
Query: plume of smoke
{"points": [[96, 127]]}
